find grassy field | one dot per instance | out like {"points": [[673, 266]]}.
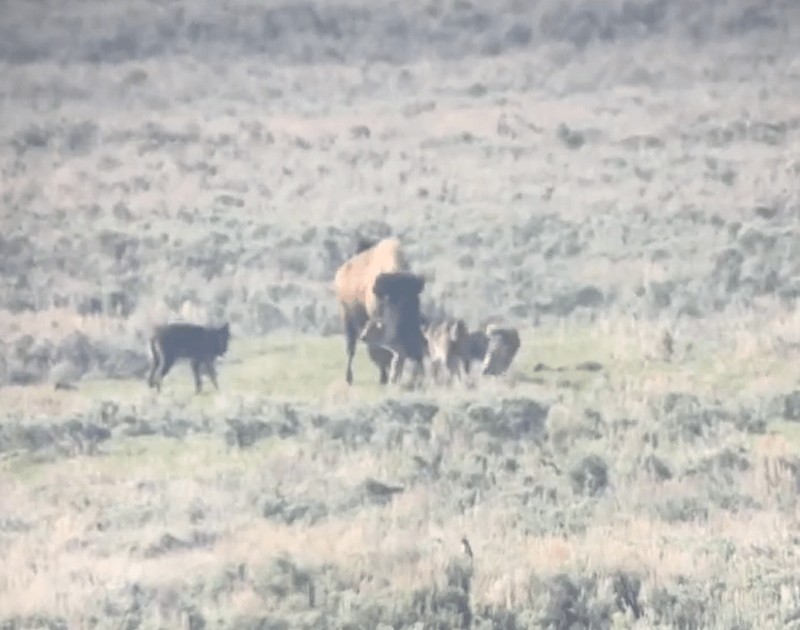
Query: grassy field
{"points": [[599, 175], [272, 501]]}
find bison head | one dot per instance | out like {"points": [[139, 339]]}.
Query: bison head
{"points": [[396, 320]]}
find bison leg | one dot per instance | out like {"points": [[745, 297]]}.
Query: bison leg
{"points": [[351, 336]]}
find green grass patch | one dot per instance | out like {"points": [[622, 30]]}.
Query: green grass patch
{"points": [[297, 367], [311, 368]]}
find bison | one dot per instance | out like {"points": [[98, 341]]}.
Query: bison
{"points": [[361, 299], [396, 322]]}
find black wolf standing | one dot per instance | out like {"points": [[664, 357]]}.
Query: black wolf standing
{"points": [[200, 344]]}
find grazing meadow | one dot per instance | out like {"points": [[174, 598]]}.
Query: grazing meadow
{"points": [[618, 179]]}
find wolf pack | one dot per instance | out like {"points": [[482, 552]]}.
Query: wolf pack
{"points": [[379, 299]]}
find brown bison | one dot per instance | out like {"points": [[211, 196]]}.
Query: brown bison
{"points": [[448, 347], [501, 348], [389, 304], [396, 323]]}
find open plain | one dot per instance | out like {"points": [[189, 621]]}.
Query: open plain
{"points": [[619, 179]]}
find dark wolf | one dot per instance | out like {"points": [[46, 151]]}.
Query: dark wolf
{"points": [[448, 347], [200, 344], [503, 345]]}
